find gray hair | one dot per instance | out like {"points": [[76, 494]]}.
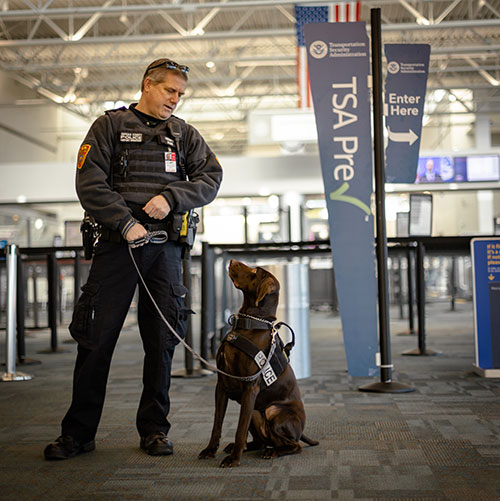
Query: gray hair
{"points": [[157, 75]]}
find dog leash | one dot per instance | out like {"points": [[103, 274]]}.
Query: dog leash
{"points": [[138, 243]]}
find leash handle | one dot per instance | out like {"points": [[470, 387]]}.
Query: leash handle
{"points": [[154, 237], [199, 357], [279, 324]]}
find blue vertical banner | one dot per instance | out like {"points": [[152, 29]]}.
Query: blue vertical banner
{"points": [[339, 68], [486, 270], [405, 85]]}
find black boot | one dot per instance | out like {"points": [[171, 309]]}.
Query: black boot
{"points": [[66, 447]]}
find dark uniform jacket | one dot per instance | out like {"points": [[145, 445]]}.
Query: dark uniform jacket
{"points": [[114, 193]]}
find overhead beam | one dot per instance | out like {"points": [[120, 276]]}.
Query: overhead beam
{"points": [[26, 14], [26, 137], [217, 35], [284, 60]]}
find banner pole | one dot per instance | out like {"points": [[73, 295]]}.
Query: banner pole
{"points": [[386, 385]]}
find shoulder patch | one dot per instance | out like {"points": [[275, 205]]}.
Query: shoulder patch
{"points": [[82, 155]]}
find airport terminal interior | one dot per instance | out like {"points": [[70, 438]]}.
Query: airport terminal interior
{"points": [[63, 63]]}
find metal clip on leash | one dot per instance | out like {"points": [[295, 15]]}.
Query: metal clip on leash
{"points": [[134, 244]]}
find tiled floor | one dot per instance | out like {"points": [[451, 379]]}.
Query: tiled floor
{"points": [[440, 442]]}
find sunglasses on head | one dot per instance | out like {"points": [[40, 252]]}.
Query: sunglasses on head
{"points": [[170, 65]]}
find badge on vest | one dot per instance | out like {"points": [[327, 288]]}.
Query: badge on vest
{"points": [[170, 162], [131, 137]]}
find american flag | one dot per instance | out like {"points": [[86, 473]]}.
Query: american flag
{"points": [[336, 12]]}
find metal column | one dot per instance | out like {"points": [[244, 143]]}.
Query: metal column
{"points": [[386, 384], [10, 338]]}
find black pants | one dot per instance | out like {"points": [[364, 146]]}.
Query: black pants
{"points": [[98, 318]]}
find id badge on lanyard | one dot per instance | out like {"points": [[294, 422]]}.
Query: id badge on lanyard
{"points": [[170, 161]]}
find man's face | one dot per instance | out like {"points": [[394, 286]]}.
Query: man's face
{"points": [[160, 100]]}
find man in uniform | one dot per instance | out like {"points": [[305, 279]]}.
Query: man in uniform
{"points": [[138, 170]]}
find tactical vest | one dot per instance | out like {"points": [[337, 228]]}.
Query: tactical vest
{"points": [[145, 159]]}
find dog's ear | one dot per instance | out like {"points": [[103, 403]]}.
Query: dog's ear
{"points": [[267, 286]]}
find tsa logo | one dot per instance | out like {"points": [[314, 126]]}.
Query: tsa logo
{"points": [[318, 49], [393, 67]]}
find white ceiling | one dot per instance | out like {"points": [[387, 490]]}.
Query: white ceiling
{"points": [[85, 54]]}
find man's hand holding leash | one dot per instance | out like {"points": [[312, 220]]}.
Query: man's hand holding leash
{"points": [[157, 208]]}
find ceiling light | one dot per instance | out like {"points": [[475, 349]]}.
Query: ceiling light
{"points": [[274, 201], [70, 97], [438, 95]]}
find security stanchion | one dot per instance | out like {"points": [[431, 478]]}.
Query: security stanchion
{"points": [[208, 306], [189, 371], [53, 286], [20, 314], [10, 343], [411, 322], [422, 349]]}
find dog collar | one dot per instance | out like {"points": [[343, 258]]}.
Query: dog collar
{"points": [[244, 321]]}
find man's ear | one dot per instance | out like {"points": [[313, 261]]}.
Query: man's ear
{"points": [[266, 287]]}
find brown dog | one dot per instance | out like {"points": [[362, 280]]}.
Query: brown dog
{"points": [[274, 413]]}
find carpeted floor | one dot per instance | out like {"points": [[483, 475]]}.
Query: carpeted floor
{"points": [[441, 441]]}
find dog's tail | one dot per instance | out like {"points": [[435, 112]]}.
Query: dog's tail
{"points": [[308, 441]]}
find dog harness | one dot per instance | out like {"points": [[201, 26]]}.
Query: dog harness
{"points": [[273, 369]]}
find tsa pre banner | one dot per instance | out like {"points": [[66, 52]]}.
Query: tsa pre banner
{"points": [[338, 59]]}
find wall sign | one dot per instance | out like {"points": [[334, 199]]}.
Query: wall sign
{"points": [[486, 271]]}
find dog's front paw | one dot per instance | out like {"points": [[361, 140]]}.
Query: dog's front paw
{"points": [[209, 452], [229, 462], [269, 453]]}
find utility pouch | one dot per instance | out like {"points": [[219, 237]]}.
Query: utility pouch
{"points": [[84, 323], [90, 234]]}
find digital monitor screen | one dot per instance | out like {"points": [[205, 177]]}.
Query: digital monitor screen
{"points": [[445, 169], [484, 168], [435, 170]]}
